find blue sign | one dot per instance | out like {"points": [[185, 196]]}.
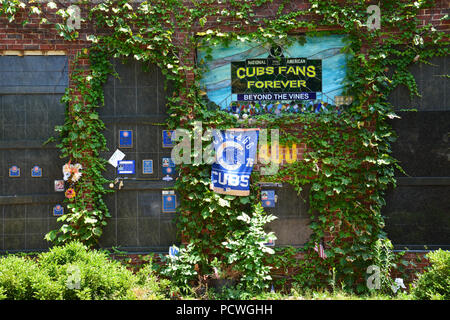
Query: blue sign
{"points": [[268, 198], [125, 138], [169, 201], [173, 251], [168, 167], [276, 96], [58, 210], [147, 166], [235, 156], [36, 172], [126, 167], [14, 171], [168, 136]]}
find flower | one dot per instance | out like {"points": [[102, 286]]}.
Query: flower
{"points": [[72, 172], [70, 193], [66, 176]]}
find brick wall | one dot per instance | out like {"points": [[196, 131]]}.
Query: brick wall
{"points": [[35, 38]]}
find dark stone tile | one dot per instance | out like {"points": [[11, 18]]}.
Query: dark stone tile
{"points": [[14, 132], [14, 242], [127, 232], [37, 225], [168, 233], [126, 204], [16, 186], [14, 212], [147, 100], [38, 211], [289, 204], [290, 231], [148, 138], [148, 232], [418, 215], [147, 75], [14, 226], [127, 74], [108, 108], [108, 238], [36, 242], [150, 203], [125, 101]]}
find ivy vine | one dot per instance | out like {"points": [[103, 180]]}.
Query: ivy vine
{"points": [[347, 164]]}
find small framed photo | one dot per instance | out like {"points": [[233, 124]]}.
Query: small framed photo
{"points": [[59, 185]]}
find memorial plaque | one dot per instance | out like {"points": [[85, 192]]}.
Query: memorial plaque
{"points": [[125, 138], [14, 172], [168, 136], [36, 172], [147, 166], [168, 169], [126, 167], [268, 198], [169, 201], [58, 210]]}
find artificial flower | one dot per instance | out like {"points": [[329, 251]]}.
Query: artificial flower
{"points": [[70, 193]]}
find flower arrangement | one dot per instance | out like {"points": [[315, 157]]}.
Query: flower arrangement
{"points": [[72, 172]]}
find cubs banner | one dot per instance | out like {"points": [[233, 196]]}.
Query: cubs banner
{"points": [[235, 156]]}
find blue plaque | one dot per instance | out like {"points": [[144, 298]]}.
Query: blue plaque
{"points": [[168, 136], [14, 172], [36, 172], [125, 138], [126, 167], [58, 210], [169, 200], [268, 198], [168, 168], [147, 166]]}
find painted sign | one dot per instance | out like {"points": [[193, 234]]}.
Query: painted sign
{"points": [[218, 79], [276, 79], [235, 156]]}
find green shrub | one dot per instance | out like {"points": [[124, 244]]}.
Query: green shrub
{"points": [[434, 283], [87, 274], [150, 286], [22, 279]]}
